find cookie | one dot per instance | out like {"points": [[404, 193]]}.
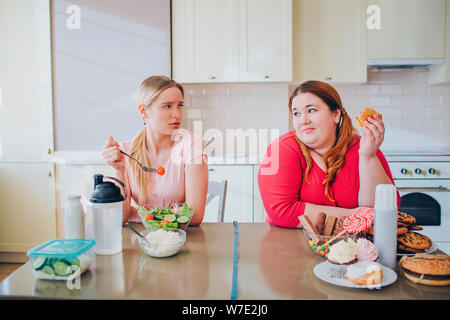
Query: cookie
{"points": [[402, 249], [414, 240], [320, 222], [403, 225], [329, 226], [338, 227], [401, 231], [405, 218]]}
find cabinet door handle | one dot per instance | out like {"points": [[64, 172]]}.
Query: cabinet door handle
{"points": [[328, 78], [212, 77], [49, 151], [211, 169], [49, 173], [266, 77]]}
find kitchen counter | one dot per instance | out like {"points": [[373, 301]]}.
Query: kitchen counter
{"points": [[95, 158], [274, 263]]}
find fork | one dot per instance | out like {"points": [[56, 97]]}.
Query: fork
{"points": [[147, 169]]}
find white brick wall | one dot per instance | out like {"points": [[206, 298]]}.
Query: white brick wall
{"points": [[415, 113], [237, 106]]}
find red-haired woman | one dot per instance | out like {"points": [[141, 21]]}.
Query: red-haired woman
{"points": [[323, 165]]}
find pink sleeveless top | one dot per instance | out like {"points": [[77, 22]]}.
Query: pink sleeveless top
{"points": [[170, 187]]}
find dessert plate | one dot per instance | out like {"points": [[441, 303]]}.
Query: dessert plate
{"points": [[335, 274], [431, 249]]}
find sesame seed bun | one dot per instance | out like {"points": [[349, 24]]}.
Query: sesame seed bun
{"points": [[365, 114], [427, 269]]}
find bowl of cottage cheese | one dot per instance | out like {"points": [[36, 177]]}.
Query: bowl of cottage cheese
{"points": [[162, 243]]}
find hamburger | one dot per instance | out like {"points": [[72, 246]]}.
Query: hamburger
{"points": [[429, 269], [365, 114]]}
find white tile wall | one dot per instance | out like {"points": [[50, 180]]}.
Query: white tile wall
{"points": [[237, 106], [415, 113]]}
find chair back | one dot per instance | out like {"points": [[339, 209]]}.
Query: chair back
{"points": [[218, 189]]}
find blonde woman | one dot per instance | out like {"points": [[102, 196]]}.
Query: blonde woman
{"points": [[161, 142]]}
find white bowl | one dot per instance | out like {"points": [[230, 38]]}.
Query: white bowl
{"points": [[162, 248]]}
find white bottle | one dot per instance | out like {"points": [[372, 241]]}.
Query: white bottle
{"points": [[74, 218], [385, 224]]}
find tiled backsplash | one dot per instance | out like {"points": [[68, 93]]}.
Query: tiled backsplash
{"points": [[415, 113], [255, 108]]}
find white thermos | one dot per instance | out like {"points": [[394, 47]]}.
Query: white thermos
{"points": [[385, 224], [74, 218]]}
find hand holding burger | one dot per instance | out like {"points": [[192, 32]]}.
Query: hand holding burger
{"points": [[372, 133]]}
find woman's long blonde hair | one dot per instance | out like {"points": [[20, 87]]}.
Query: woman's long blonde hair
{"points": [[346, 134], [148, 92]]}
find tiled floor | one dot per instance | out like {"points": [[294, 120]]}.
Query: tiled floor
{"points": [[7, 268]]}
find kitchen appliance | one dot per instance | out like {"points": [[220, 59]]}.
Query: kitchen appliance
{"points": [[107, 203], [423, 180]]}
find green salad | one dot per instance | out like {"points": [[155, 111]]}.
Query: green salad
{"points": [[165, 218]]}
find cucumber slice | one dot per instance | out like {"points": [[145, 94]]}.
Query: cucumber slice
{"points": [[170, 217], [171, 226], [159, 217], [74, 262], [38, 263], [62, 269], [48, 270], [183, 219]]}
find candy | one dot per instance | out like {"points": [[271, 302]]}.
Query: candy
{"points": [[314, 247], [310, 228], [360, 220], [311, 243]]}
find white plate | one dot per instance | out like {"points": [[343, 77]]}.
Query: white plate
{"points": [[335, 274], [431, 249]]}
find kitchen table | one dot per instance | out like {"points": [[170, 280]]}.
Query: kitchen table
{"points": [[274, 263]]}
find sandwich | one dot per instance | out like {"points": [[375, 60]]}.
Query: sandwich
{"points": [[429, 269], [365, 114]]}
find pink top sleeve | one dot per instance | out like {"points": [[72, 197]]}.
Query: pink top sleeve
{"points": [[280, 188]]}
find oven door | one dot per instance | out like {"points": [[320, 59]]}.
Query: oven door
{"points": [[429, 202]]}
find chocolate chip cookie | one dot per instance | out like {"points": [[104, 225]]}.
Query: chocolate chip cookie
{"points": [[405, 218], [414, 240]]}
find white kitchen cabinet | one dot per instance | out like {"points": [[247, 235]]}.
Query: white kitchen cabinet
{"points": [[239, 200], [231, 41], [27, 212], [329, 41], [265, 40], [204, 37], [409, 29], [26, 123], [441, 73]]}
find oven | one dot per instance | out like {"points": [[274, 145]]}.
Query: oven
{"points": [[424, 186]]}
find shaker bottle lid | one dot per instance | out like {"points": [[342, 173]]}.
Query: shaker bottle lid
{"points": [[385, 197], [105, 192]]}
